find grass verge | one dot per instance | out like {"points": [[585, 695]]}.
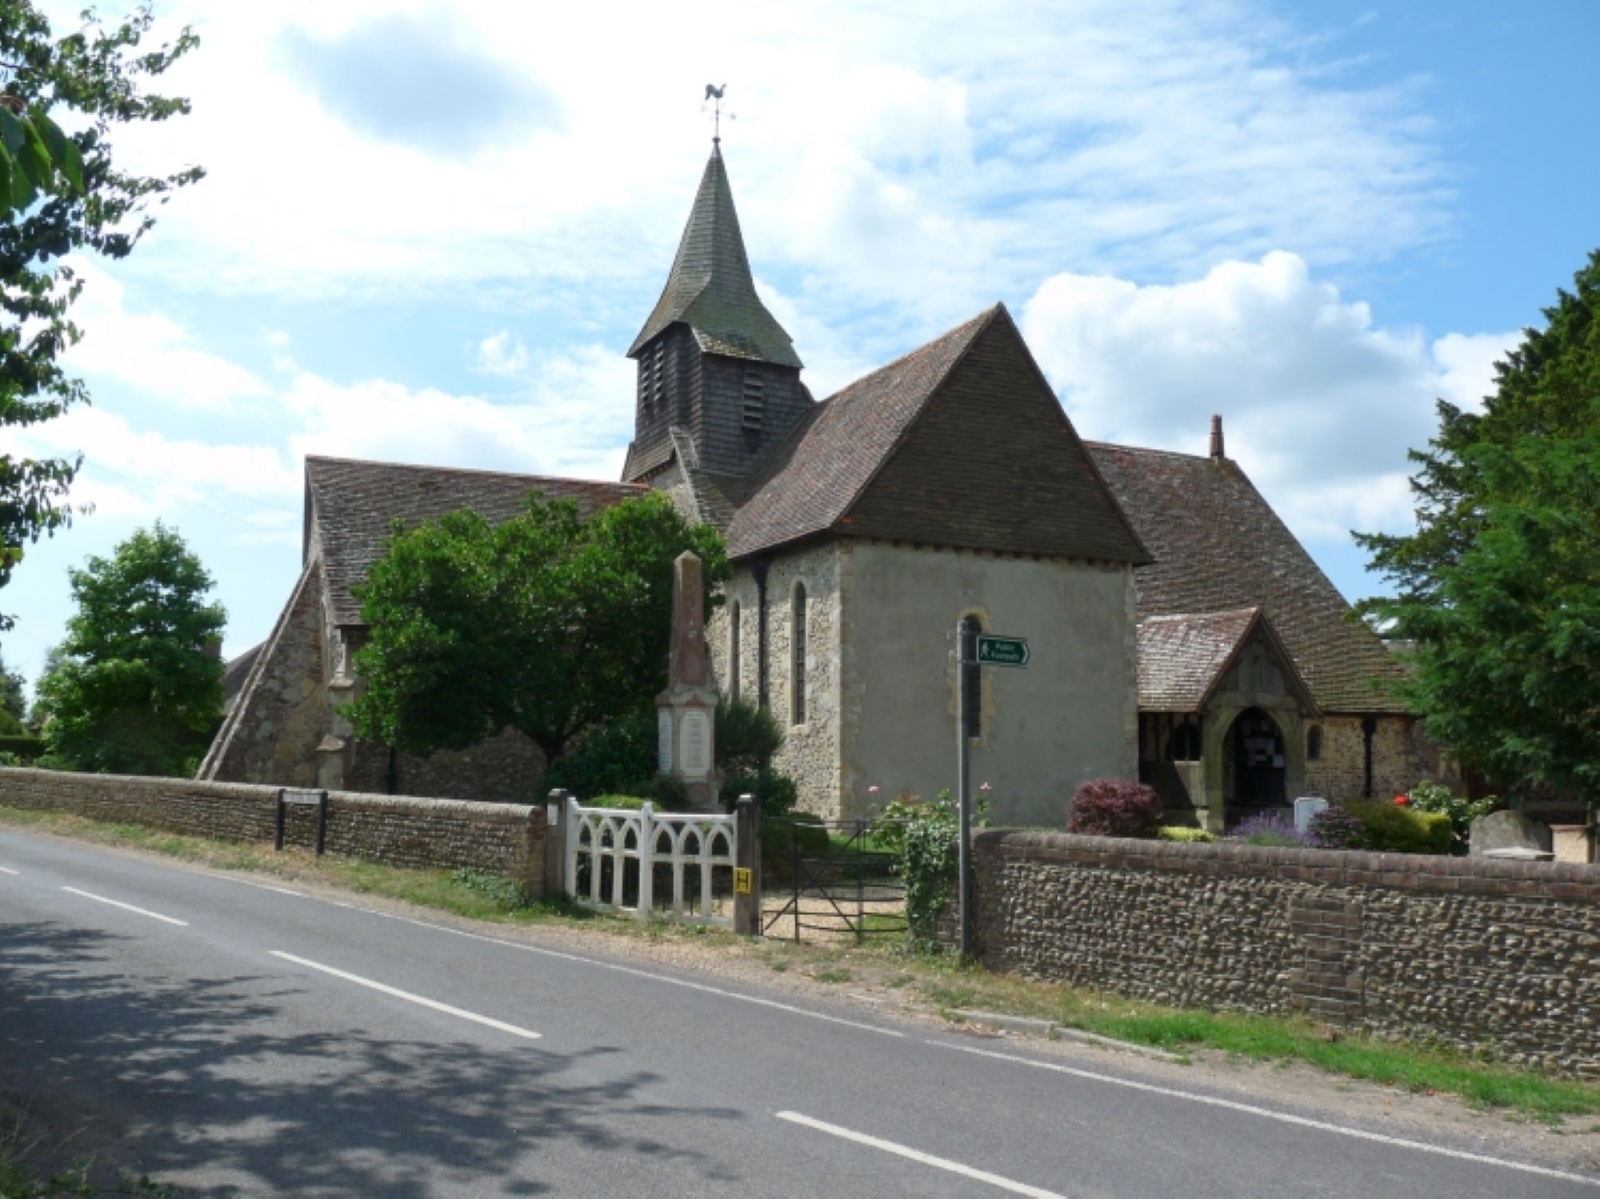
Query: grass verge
{"points": [[938, 982]]}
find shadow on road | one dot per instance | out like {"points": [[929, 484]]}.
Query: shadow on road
{"points": [[220, 1079]]}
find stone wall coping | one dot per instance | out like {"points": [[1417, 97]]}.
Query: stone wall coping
{"points": [[1402, 871], [469, 809]]}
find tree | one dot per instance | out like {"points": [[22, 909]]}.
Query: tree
{"points": [[35, 156], [91, 80], [13, 704], [547, 623], [137, 688], [1500, 584]]}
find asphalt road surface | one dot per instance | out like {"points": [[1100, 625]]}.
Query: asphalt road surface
{"points": [[258, 1041]]}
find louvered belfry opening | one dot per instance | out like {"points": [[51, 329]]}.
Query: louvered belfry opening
{"points": [[750, 409]]}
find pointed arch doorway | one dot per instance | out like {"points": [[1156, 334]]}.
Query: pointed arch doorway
{"points": [[1257, 760]]}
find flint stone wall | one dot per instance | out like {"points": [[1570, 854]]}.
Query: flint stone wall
{"points": [[1475, 953], [395, 830]]}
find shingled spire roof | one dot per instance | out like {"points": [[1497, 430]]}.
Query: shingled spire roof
{"points": [[710, 288]]}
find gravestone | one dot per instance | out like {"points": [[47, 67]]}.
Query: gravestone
{"points": [[1510, 834], [685, 710], [1305, 808]]}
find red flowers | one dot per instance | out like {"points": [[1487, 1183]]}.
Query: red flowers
{"points": [[1402, 801]]}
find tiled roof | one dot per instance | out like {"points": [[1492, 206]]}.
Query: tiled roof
{"points": [[354, 505], [710, 288], [1219, 547], [235, 674], [960, 443], [1183, 658], [828, 458]]}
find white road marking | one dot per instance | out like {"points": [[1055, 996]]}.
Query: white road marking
{"points": [[660, 978], [1282, 1117], [409, 997], [916, 1155], [6, 870], [128, 907], [244, 882]]}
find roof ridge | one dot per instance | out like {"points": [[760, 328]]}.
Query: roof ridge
{"points": [[466, 470], [1208, 615], [927, 346], [1145, 449]]}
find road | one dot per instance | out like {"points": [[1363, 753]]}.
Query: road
{"points": [[260, 1041]]}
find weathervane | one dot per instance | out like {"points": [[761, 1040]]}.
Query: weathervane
{"points": [[714, 92]]}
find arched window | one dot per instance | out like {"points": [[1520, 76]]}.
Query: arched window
{"points": [[797, 643], [733, 649], [1314, 743], [972, 679]]}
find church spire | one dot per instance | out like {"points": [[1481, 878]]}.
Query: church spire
{"points": [[710, 288]]}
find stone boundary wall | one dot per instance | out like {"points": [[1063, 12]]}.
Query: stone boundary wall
{"points": [[1479, 954], [395, 830]]}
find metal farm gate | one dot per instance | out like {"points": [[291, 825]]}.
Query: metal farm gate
{"points": [[829, 880]]}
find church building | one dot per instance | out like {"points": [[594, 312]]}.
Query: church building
{"points": [[1179, 632]]}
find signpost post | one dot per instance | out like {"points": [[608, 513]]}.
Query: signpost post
{"points": [[974, 651]]}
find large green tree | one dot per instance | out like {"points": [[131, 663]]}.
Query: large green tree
{"points": [[137, 687], [63, 194], [13, 704], [548, 623], [1500, 584]]}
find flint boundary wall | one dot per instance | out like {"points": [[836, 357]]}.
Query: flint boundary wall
{"points": [[1484, 955], [396, 830]]}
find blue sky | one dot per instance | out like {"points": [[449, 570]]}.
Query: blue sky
{"points": [[429, 232]]}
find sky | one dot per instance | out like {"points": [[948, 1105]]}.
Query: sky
{"points": [[429, 232]]}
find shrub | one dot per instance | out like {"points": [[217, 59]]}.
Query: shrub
{"points": [[609, 761], [624, 803], [1434, 797], [747, 736], [801, 831], [1192, 836], [1382, 826], [1271, 828], [668, 792], [1114, 808], [1395, 828], [776, 793], [1336, 828]]}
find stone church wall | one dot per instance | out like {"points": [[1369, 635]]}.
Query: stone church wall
{"points": [[503, 769], [1399, 758], [811, 751], [1482, 955], [395, 830], [282, 714], [881, 678], [1070, 715]]}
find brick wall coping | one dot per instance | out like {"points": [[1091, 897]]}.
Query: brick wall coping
{"points": [[1340, 868], [469, 809]]}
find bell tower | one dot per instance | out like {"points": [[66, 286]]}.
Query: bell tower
{"points": [[713, 363]]}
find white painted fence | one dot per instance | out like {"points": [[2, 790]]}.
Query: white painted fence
{"points": [[693, 842]]}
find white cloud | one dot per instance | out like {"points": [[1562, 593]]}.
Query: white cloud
{"points": [[928, 156], [141, 475], [566, 421], [1469, 362], [1319, 405], [502, 354], [148, 351]]}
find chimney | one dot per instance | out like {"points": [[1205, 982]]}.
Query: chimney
{"points": [[1216, 439]]}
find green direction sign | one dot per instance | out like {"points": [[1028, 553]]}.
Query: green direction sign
{"points": [[1002, 651]]}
